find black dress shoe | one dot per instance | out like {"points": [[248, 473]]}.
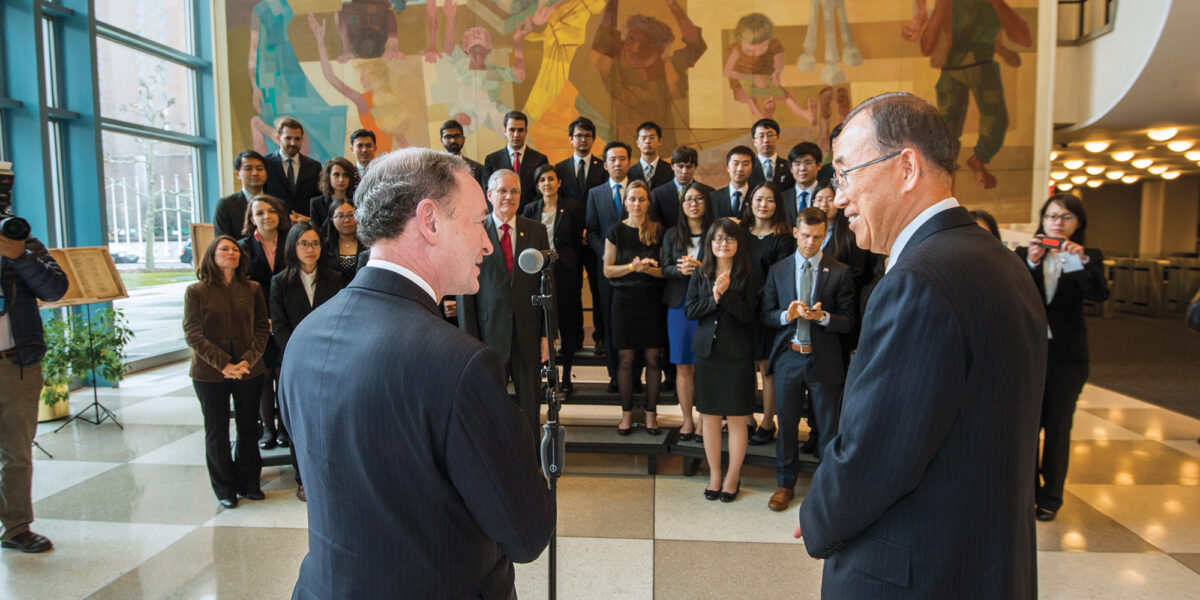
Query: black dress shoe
{"points": [[255, 494], [761, 436], [625, 431], [283, 439], [653, 430], [599, 350], [612, 387], [567, 388], [267, 441], [29, 542], [711, 494], [229, 502], [730, 497], [687, 437], [1045, 514]]}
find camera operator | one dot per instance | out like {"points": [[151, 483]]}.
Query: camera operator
{"points": [[27, 273]]}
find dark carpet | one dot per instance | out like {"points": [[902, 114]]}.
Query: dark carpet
{"points": [[1152, 359]]}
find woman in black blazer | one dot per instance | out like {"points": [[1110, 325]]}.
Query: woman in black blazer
{"points": [[265, 229], [338, 180], [724, 297], [303, 285], [560, 216], [680, 259], [342, 247], [1066, 277]]}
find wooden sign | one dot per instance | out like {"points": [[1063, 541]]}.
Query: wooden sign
{"points": [[92, 275]]}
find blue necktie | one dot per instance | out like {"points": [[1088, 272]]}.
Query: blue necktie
{"points": [[737, 204], [803, 200], [617, 198]]}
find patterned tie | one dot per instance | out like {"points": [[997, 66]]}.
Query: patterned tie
{"points": [[803, 200], [517, 162], [767, 170], [580, 174], [649, 172], [617, 197], [803, 333], [506, 247], [737, 203]]}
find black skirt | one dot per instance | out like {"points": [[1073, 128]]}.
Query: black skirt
{"points": [[725, 383], [639, 317]]}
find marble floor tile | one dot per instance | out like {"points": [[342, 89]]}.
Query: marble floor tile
{"points": [[107, 442], [1091, 575], [166, 494], [187, 450], [186, 391], [1130, 463], [593, 568], [687, 570], [1189, 447], [1087, 426], [1153, 423], [580, 463], [1094, 396], [1164, 515], [86, 556], [1191, 561], [53, 476], [280, 510], [165, 410], [217, 562], [1080, 527], [606, 506], [682, 513]]}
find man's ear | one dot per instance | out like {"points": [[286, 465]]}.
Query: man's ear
{"points": [[911, 168], [426, 220]]}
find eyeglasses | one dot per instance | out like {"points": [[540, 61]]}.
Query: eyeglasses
{"points": [[841, 180], [582, 136], [724, 239], [1064, 217], [693, 200], [766, 135], [308, 244], [345, 217]]}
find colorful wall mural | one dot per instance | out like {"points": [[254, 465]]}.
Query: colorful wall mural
{"points": [[704, 70]]}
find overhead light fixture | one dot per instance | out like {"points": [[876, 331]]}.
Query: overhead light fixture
{"points": [[1094, 170], [1123, 155], [1194, 155], [1079, 179], [1066, 187], [1095, 183], [1096, 146], [1181, 145], [1058, 175], [1073, 164], [1157, 169], [1115, 174], [1170, 175], [1162, 135], [1142, 163], [1130, 178], [1054, 156]]}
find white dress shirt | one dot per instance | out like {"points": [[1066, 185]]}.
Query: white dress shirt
{"points": [[405, 273]]}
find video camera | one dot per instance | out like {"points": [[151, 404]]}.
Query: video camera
{"points": [[11, 227]]}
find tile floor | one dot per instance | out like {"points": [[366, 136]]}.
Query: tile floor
{"points": [[132, 515]]}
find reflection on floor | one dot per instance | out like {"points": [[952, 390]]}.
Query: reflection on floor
{"points": [[132, 516]]}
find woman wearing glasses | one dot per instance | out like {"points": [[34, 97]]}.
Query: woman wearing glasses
{"points": [[1066, 274], [724, 297], [341, 239]]}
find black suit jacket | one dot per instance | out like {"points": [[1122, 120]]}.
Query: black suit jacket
{"points": [[476, 171], [318, 212], [601, 215], [782, 175], [228, 218], [664, 202], [834, 289], [732, 318], [502, 159], [676, 289], [418, 468], [662, 173], [927, 489], [289, 302], [1065, 311], [501, 309], [257, 267], [573, 188], [721, 203], [307, 178], [568, 229]]}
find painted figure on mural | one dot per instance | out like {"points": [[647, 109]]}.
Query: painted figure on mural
{"points": [[280, 87], [367, 29], [755, 66], [836, 24], [645, 79], [565, 31], [962, 37]]}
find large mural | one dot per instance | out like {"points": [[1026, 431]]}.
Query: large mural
{"points": [[704, 70]]}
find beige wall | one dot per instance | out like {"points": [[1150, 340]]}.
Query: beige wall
{"points": [[1148, 219]]}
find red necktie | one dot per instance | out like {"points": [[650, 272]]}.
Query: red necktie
{"points": [[506, 247], [516, 165]]}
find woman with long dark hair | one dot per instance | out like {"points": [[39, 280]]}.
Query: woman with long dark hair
{"points": [[225, 324], [1066, 274], [724, 297], [631, 252], [342, 247], [338, 181], [681, 253]]}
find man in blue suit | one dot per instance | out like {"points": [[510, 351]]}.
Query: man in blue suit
{"points": [[421, 475], [925, 491]]}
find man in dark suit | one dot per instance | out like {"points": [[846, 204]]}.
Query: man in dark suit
{"points": [[809, 302], [729, 200], [405, 418], [650, 167], [515, 156], [291, 176], [579, 173], [230, 214], [363, 147], [453, 139], [765, 136], [805, 160], [925, 491], [664, 199], [605, 209], [500, 313]]}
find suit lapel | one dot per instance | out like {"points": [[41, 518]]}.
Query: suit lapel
{"points": [[789, 277]]}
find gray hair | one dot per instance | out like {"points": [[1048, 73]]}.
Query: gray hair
{"points": [[396, 182], [494, 179], [901, 119]]}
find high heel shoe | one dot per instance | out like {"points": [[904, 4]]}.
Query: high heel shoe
{"points": [[730, 497], [652, 430], [711, 494]]}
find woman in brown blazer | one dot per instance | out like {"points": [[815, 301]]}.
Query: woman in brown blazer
{"points": [[225, 324]]}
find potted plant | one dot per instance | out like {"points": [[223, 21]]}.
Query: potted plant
{"points": [[75, 347], [61, 354]]}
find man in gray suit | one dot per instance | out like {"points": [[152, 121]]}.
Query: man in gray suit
{"points": [[501, 313], [925, 491], [421, 476]]}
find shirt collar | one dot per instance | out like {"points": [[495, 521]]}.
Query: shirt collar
{"points": [[246, 193], [511, 150], [813, 262], [405, 273], [912, 227], [743, 190], [648, 165], [761, 158], [810, 189], [621, 183], [512, 223], [308, 278]]}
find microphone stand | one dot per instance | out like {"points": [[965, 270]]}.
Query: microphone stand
{"points": [[553, 448]]}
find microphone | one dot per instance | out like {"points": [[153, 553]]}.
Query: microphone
{"points": [[534, 261]]}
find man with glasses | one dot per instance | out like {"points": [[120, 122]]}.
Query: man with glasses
{"points": [[805, 161], [650, 168], [925, 491], [579, 173], [453, 140], [767, 165]]}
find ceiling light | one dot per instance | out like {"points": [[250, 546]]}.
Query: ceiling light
{"points": [[1115, 174], [1096, 146], [1180, 145], [1058, 175], [1066, 187], [1193, 155], [1053, 155], [1079, 179], [1094, 170], [1162, 135], [1142, 163], [1123, 155], [1130, 178], [1170, 175], [1073, 164], [1157, 169], [1095, 183]]}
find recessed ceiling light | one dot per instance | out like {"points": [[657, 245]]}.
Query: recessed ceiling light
{"points": [[1162, 135], [1099, 146], [1142, 163], [1181, 145], [1157, 169], [1193, 155], [1073, 164], [1054, 156], [1094, 170], [1095, 183], [1122, 156], [1170, 175], [1066, 187], [1079, 179], [1058, 175], [1115, 174], [1130, 178]]}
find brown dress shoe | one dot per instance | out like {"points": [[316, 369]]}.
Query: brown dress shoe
{"points": [[780, 499]]}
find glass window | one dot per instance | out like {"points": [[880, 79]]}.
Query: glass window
{"points": [[144, 89], [167, 22], [58, 223], [50, 60]]}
